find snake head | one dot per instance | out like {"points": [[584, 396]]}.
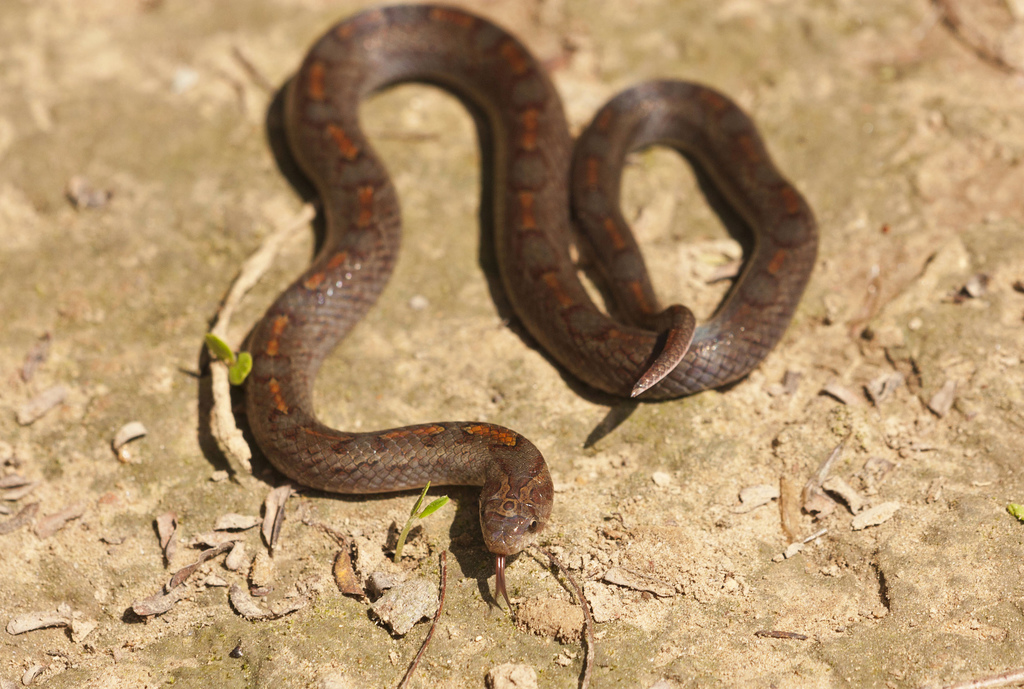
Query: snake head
{"points": [[515, 503]]}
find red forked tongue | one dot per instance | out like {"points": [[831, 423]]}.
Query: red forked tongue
{"points": [[499, 579]]}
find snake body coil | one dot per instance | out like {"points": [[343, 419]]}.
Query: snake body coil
{"points": [[646, 351]]}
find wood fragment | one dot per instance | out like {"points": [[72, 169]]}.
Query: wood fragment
{"points": [[775, 634], [433, 625], [47, 526], [37, 407], [23, 518]]}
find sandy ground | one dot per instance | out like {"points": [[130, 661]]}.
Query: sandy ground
{"points": [[907, 145]]}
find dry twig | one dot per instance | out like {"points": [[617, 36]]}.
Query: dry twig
{"points": [[588, 621], [437, 615]]}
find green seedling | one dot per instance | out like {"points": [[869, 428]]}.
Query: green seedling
{"points": [[415, 514], [1017, 510], [238, 366]]}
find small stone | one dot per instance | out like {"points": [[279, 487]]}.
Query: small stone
{"points": [[406, 604], [942, 401], [661, 479], [37, 407], [511, 676]]}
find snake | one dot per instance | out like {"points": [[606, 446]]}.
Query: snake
{"points": [[550, 197]]}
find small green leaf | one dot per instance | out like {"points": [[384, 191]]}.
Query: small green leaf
{"points": [[219, 349], [239, 370], [433, 507], [1017, 510], [423, 494]]}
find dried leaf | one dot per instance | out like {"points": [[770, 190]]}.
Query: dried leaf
{"points": [[875, 516], [13, 481], [47, 526], [23, 518], [841, 393], [789, 507], [753, 497], [37, 407], [18, 493], [35, 357], [128, 432], [235, 522], [158, 603], [273, 513], [166, 531], [184, 573], [345, 576], [43, 619], [245, 606], [853, 500]]}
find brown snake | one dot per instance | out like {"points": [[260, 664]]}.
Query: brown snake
{"points": [[647, 351]]}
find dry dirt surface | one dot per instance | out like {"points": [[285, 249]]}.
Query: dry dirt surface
{"points": [[905, 132]]}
